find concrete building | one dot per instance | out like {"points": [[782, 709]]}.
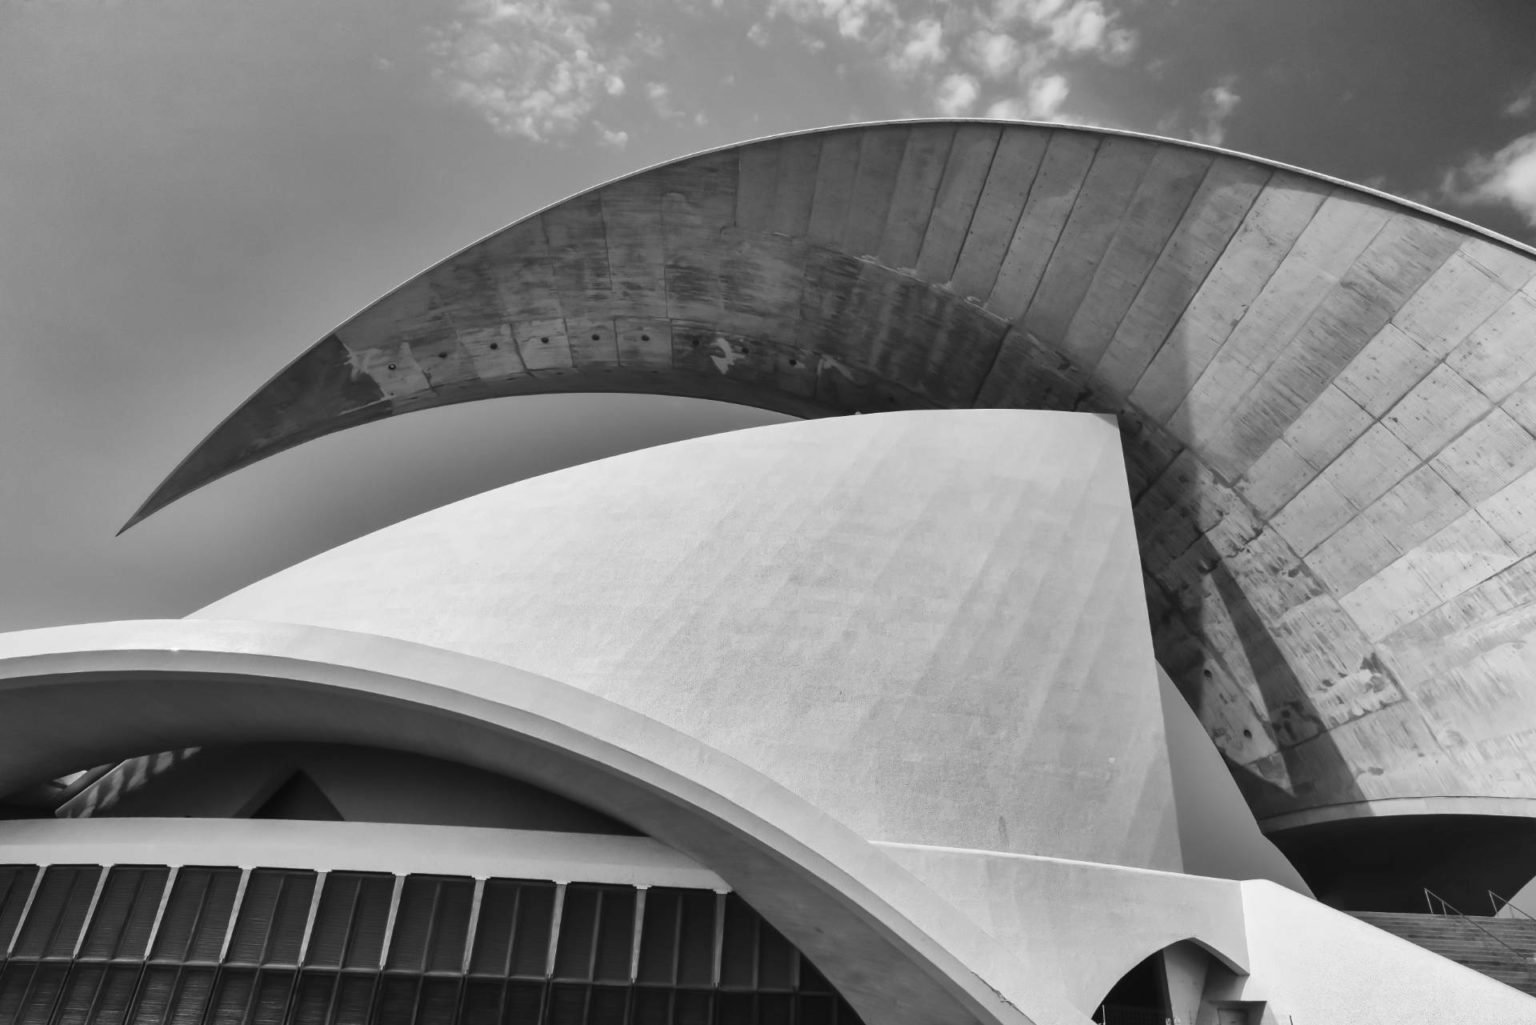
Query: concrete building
{"points": [[1186, 466]]}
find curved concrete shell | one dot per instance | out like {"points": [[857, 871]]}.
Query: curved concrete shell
{"points": [[1325, 398], [871, 611]]}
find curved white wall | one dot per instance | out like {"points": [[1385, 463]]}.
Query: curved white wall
{"points": [[928, 624]]}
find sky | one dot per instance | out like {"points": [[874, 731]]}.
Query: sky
{"points": [[192, 192]]}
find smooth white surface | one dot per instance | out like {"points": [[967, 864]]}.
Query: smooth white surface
{"points": [[1078, 925], [930, 625], [1318, 966], [1217, 832], [355, 847]]}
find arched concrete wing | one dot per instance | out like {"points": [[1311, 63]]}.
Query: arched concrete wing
{"points": [[1326, 395], [78, 695]]}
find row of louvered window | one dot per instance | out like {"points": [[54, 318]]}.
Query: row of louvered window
{"points": [[145, 945]]}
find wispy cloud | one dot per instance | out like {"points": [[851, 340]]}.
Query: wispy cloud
{"points": [[1205, 120], [957, 94], [660, 95], [1068, 26], [614, 138], [1216, 105], [855, 19], [1010, 54], [921, 46], [531, 68], [1523, 102], [1041, 101], [1506, 178], [994, 54], [549, 70]]}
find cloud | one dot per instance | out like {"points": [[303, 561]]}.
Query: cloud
{"points": [[1019, 48], [1216, 105], [1081, 27], [924, 45], [1506, 178], [994, 54], [1120, 44], [957, 94], [1034, 11], [661, 100], [1523, 102], [1077, 28], [855, 19], [1041, 101], [1046, 96], [553, 70], [532, 68], [611, 138]]}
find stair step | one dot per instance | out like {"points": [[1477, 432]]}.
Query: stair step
{"points": [[1504, 949]]}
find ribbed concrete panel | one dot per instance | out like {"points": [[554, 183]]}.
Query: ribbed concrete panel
{"points": [[1327, 397], [876, 612]]}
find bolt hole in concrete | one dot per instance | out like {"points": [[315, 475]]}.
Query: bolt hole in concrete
{"points": [[495, 346], [645, 338], [543, 341], [794, 363], [391, 366], [597, 338]]}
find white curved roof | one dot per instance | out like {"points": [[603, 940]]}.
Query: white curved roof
{"points": [[927, 624]]}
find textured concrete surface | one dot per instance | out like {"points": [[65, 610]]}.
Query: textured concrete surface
{"points": [[1326, 397], [926, 624]]}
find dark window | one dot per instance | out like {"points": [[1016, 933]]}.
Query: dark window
{"points": [[273, 913], [197, 915], [286, 947], [58, 912], [15, 887], [125, 912]]}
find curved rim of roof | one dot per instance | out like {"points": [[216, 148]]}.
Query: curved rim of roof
{"points": [[1491, 806], [756, 820], [139, 513]]}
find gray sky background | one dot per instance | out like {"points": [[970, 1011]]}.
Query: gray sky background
{"points": [[194, 191]]}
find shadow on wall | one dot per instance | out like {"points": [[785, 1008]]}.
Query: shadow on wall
{"points": [[328, 781], [1218, 578], [1217, 833]]}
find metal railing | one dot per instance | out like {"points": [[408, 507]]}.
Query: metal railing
{"points": [[1431, 898], [1502, 904]]}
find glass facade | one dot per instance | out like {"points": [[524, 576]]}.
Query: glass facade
{"points": [[153, 945]]}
